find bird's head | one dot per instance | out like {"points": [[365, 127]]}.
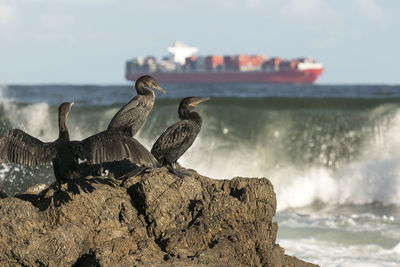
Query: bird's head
{"points": [[65, 107], [148, 82], [189, 103]]}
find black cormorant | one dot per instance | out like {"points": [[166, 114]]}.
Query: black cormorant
{"points": [[131, 117], [19, 147], [172, 143]]}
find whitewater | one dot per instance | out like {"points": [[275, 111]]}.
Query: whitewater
{"points": [[331, 152]]}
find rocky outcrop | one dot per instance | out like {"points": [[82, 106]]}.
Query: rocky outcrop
{"points": [[152, 219]]}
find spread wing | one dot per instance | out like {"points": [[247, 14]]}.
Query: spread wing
{"points": [[19, 147], [109, 146], [178, 137], [132, 114]]}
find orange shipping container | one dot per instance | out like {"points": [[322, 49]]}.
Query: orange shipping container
{"points": [[257, 60], [243, 60], [214, 61]]}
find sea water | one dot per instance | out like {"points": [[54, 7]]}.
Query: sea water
{"points": [[332, 153]]}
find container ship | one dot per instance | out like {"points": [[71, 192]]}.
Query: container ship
{"points": [[183, 66]]}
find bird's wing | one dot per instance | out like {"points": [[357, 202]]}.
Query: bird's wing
{"points": [[179, 135], [127, 115], [108, 146], [138, 153], [19, 147]]}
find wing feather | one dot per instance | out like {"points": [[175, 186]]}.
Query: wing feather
{"points": [[110, 146], [19, 147]]}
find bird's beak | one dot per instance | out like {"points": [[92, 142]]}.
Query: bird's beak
{"points": [[195, 103], [157, 87]]}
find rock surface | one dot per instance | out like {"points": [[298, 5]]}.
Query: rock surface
{"points": [[154, 219]]}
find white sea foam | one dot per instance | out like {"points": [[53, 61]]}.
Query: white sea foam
{"points": [[39, 119], [332, 254], [4, 168], [373, 177], [30, 118], [363, 182], [340, 227]]}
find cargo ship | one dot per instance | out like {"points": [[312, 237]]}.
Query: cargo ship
{"points": [[183, 66]]}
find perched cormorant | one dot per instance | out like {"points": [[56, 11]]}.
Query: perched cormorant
{"points": [[172, 143], [19, 147], [131, 117]]}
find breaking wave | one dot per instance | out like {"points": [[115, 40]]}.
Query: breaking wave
{"points": [[331, 150]]}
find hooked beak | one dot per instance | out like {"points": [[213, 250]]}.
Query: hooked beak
{"points": [[195, 103], [157, 87]]}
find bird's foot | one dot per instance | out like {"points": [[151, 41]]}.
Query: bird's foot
{"points": [[172, 169], [178, 173]]}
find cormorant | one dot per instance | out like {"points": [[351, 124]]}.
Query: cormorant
{"points": [[19, 147], [172, 143], [131, 117]]}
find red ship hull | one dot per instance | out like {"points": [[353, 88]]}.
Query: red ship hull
{"points": [[289, 76]]}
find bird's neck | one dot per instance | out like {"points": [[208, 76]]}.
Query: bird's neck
{"points": [[190, 115], [142, 90], [62, 125]]}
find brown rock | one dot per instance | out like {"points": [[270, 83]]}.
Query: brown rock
{"points": [[153, 219]]}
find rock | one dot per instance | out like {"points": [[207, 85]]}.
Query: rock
{"points": [[152, 219]]}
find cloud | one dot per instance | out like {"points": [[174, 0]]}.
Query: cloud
{"points": [[371, 9], [7, 12]]}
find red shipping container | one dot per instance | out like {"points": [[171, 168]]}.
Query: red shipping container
{"points": [[213, 62], [256, 60]]}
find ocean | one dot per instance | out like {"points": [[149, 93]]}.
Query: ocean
{"points": [[332, 153]]}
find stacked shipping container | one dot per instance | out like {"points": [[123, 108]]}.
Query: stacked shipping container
{"points": [[214, 62], [240, 63]]}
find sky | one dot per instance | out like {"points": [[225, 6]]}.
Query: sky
{"points": [[88, 41]]}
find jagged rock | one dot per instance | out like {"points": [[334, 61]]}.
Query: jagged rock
{"points": [[152, 219]]}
